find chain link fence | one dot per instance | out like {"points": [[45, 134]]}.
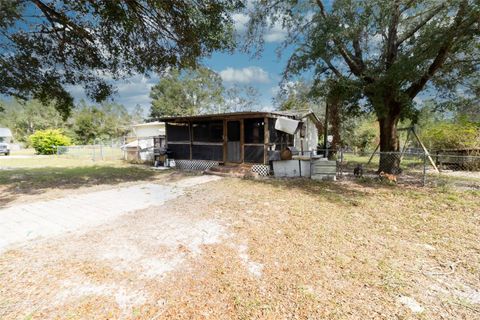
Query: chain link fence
{"points": [[132, 149], [95, 152], [413, 167]]}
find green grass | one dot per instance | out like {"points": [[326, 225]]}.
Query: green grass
{"points": [[55, 161], [40, 178], [38, 175], [407, 161], [23, 152]]}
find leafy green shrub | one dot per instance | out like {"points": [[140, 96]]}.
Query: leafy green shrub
{"points": [[47, 141], [449, 135], [362, 135]]}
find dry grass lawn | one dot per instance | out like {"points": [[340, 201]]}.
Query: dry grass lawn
{"points": [[292, 249], [50, 177]]}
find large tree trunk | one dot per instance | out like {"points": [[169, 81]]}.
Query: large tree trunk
{"points": [[389, 144], [335, 123]]}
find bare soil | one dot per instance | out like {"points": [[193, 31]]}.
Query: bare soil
{"points": [[268, 249]]}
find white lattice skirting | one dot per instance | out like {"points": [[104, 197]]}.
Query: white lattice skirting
{"points": [[195, 165], [261, 169], [202, 165]]}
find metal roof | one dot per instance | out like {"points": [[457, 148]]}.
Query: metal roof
{"points": [[148, 124], [5, 132]]}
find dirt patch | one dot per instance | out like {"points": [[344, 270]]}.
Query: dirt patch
{"points": [[242, 249], [114, 264]]}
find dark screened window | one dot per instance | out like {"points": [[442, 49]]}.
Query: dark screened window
{"points": [[254, 154], [233, 130], [207, 152], [254, 130], [208, 131], [179, 151], [178, 132], [275, 135]]}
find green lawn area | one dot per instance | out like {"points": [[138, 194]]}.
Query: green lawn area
{"points": [[408, 162], [55, 161], [23, 152], [41, 174]]}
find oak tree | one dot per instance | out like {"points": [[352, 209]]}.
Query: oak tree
{"points": [[388, 52], [47, 45]]}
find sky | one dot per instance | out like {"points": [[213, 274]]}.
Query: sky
{"points": [[262, 73]]}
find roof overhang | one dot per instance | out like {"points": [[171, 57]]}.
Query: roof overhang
{"points": [[240, 115]]}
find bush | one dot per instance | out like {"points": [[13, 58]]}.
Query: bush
{"points": [[449, 135], [47, 141], [362, 135]]}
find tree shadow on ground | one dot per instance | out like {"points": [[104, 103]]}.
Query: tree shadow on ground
{"points": [[341, 192], [31, 181]]}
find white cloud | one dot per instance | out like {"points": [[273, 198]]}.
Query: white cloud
{"points": [[129, 92], [275, 33], [245, 75], [240, 21], [274, 90]]}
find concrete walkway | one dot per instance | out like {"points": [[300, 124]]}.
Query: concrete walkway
{"points": [[54, 217]]}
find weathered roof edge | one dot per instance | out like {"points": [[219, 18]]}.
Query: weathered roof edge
{"points": [[291, 114]]}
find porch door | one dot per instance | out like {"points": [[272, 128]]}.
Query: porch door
{"points": [[234, 152]]}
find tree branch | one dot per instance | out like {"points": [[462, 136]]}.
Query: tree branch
{"points": [[332, 67], [53, 16], [391, 50], [356, 70], [358, 52], [407, 5], [408, 34], [442, 53]]}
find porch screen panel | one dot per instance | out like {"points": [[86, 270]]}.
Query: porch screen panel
{"points": [[178, 132], [253, 154], [207, 152], [179, 151], [275, 135], [254, 130], [207, 131]]}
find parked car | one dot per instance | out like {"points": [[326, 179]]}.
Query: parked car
{"points": [[5, 139]]}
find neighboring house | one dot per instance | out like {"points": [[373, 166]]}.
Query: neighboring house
{"points": [[5, 140], [141, 145], [254, 138]]}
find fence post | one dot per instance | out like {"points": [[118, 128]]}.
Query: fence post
{"points": [[341, 162], [424, 169]]}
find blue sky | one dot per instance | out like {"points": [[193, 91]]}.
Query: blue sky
{"points": [[263, 73]]}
